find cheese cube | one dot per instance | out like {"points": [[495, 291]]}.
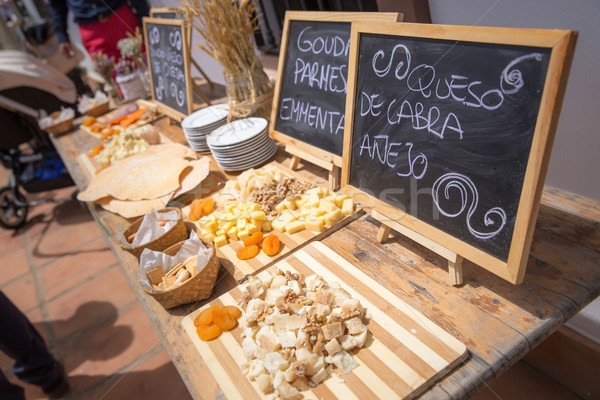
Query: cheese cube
{"points": [[323, 192], [243, 235], [232, 233], [278, 225], [316, 225], [317, 212], [209, 236], [348, 206], [339, 200], [221, 232], [295, 226], [313, 200], [330, 198], [266, 226], [230, 205], [326, 206], [333, 217], [211, 226], [258, 216], [250, 228], [242, 206], [252, 207], [227, 226], [241, 224], [300, 201], [304, 211], [281, 206], [258, 225], [220, 240]]}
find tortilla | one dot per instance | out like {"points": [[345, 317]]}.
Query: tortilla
{"points": [[199, 171], [148, 175], [131, 209]]}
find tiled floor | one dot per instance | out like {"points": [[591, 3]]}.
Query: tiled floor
{"points": [[60, 271]]}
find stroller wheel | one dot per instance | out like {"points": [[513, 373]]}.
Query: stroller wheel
{"points": [[11, 215]]}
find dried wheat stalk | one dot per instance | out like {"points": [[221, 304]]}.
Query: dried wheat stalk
{"points": [[227, 30]]}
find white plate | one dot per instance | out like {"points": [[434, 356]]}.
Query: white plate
{"points": [[205, 116], [243, 147], [250, 157], [237, 132], [250, 164]]}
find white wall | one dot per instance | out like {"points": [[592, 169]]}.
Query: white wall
{"points": [[575, 164]]}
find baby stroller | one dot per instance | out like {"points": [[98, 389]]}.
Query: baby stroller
{"points": [[28, 89]]}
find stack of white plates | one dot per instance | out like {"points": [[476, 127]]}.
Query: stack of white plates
{"points": [[202, 122], [242, 144]]}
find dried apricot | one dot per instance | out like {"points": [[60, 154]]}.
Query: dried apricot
{"points": [[107, 134], [95, 150], [96, 128], [223, 319], [254, 239], [271, 245], [235, 312], [208, 332], [205, 317], [246, 253], [200, 208], [89, 121]]}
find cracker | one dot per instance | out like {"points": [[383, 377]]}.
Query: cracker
{"points": [[155, 275]]}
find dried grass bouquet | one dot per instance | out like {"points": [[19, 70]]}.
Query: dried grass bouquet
{"points": [[227, 28]]}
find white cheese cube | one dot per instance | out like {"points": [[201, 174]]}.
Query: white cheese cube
{"points": [[333, 217], [326, 206], [295, 226], [344, 361], [348, 207]]}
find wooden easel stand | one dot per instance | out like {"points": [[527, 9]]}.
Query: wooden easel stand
{"points": [[298, 154]]}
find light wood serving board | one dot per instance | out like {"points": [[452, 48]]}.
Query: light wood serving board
{"points": [[103, 119], [407, 353]]}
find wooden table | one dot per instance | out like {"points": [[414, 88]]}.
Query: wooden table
{"points": [[497, 321]]}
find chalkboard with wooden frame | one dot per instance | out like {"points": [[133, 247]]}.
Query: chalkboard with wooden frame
{"points": [[168, 65], [322, 92], [449, 131]]}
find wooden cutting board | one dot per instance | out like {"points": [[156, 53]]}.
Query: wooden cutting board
{"points": [[151, 116], [408, 352]]}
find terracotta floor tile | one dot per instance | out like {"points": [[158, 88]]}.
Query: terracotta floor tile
{"points": [[22, 293], [522, 382], [10, 239], [13, 264], [154, 379], [92, 357], [89, 302], [68, 271]]}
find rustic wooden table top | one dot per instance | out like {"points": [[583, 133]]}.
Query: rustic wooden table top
{"points": [[498, 322]]}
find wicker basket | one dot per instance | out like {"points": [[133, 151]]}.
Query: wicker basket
{"points": [[198, 287], [61, 128], [97, 111], [178, 232]]}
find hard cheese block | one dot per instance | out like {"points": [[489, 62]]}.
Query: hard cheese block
{"points": [[407, 354]]}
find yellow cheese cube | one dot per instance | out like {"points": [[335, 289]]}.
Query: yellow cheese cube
{"points": [[330, 198], [312, 191], [339, 200], [211, 226], [326, 206], [243, 235], [266, 226], [258, 225], [228, 225], [232, 233], [313, 200], [333, 217], [348, 206], [242, 206], [281, 206], [323, 192], [278, 225], [220, 240], [300, 201], [254, 207], [250, 228], [258, 216], [287, 216], [317, 212], [230, 205], [227, 217], [241, 224], [316, 225], [295, 226], [220, 232], [304, 211], [209, 236]]}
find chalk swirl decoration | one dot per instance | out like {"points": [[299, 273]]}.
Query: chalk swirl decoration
{"points": [[514, 77], [466, 189]]}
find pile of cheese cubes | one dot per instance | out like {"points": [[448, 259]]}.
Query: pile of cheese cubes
{"points": [[315, 210]]}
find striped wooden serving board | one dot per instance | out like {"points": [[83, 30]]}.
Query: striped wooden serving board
{"points": [[407, 353]]}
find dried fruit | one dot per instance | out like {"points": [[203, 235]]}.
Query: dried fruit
{"points": [[206, 316], [89, 121], [235, 312], [95, 150], [254, 239], [223, 319], [96, 128], [200, 208], [246, 253], [271, 245], [208, 332]]}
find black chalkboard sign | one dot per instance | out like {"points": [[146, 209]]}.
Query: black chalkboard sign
{"points": [[443, 130], [167, 13], [168, 57], [310, 92]]}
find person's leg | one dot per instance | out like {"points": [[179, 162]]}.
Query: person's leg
{"points": [[21, 341], [8, 391]]}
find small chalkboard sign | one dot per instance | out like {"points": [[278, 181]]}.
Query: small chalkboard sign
{"points": [[450, 130], [168, 13], [168, 56], [310, 91]]}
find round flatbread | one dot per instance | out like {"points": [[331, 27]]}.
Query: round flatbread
{"points": [[148, 175], [199, 170], [131, 209]]}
